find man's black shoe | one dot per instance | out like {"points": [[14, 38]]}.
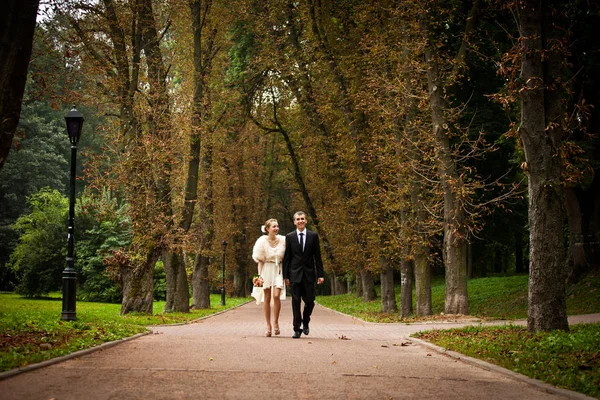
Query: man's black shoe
{"points": [[297, 334], [306, 331]]}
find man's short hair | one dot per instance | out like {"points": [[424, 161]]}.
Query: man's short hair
{"points": [[298, 213]]}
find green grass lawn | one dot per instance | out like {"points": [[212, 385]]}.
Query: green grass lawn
{"points": [[566, 359], [31, 330], [489, 298]]}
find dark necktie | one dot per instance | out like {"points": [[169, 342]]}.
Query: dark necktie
{"points": [[302, 242]]}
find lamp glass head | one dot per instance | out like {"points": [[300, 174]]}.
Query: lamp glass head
{"points": [[74, 121]]}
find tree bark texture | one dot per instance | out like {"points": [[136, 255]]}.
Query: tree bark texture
{"points": [[200, 282], [388, 293], [547, 299], [138, 285], [177, 283], [358, 285], [368, 284], [241, 284], [406, 288], [201, 288], [338, 285], [17, 26], [240, 280], [423, 282]]}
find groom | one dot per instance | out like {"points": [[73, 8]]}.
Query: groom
{"points": [[302, 265]]}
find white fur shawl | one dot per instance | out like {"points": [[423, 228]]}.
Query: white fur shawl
{"points": [[262, 251]]}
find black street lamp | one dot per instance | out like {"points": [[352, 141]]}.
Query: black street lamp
{"points": [[74, 121], [224, 244]]}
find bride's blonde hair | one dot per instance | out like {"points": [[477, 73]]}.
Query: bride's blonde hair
{"points": [[268, 224]]}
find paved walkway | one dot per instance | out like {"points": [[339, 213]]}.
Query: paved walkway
{"points": [[227, 356]]}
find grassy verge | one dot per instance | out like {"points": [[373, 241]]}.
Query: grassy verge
{"points": [[566, 359], [31, 330], [489, 298], [569, 360]]}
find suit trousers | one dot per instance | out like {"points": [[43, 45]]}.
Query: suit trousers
{"points": [[302, 291]]}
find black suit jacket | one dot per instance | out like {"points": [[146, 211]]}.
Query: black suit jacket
{"points": [[296, 263]]}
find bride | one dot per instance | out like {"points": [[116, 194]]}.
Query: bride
{"points": [[268, 253]]}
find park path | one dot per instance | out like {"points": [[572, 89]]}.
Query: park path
{"points": [[227, 356]]}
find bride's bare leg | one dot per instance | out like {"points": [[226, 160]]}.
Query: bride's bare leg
{"points": [[267, 308], [276, 308]]}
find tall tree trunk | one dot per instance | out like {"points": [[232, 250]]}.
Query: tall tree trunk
{"points": [[388, 293], [541, 141], [240, 273], [455, 240], [358, 285], [17, 26], [177, 283], [200, 273], [368, 283], [240, 244], [420, 248], [159, 126], [423, 282], [414, 217], [204, 53], [206, 228], [138, 285], [455, 231], [137, 282], [406, 291], [200, 282], [339, 286]]}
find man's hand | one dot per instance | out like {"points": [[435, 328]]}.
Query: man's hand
{"points": [[287, 282], [320, 280]]}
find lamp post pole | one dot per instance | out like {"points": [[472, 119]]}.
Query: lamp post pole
{"points": [[223, 287], [74, 121]]}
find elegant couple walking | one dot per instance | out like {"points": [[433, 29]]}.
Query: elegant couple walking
{"points": [[294, 261]]}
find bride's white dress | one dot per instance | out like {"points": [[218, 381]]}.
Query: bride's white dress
{"points": [[272, 271]]}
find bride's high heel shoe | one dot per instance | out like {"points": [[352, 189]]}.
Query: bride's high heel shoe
{"points": [[268, 333], [277, 332]]}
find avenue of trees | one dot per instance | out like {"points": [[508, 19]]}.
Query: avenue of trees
{"points": [[429, 137]]}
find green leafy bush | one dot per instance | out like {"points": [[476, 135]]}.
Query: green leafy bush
{"points": [[106, 228], [101, 226], [39, 258]]}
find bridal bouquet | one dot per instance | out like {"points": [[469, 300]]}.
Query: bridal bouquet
{"points": [[257, 281]]}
